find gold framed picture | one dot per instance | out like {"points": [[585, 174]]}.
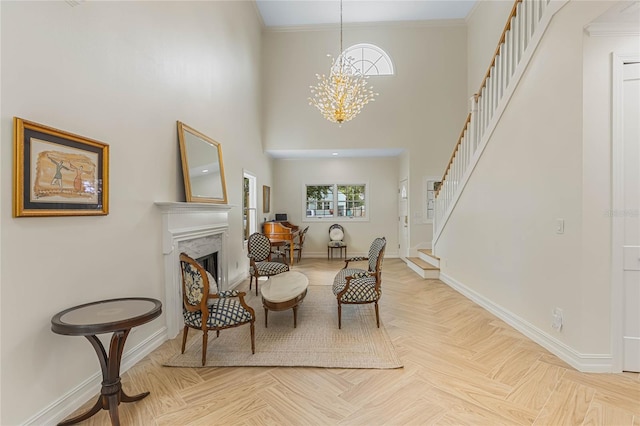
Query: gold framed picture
{"points": [[266, 199], [57, 173]]}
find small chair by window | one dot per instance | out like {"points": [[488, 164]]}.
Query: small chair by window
{"points": [[260, 264], [205, 310], [336, 237], [359, 286]]}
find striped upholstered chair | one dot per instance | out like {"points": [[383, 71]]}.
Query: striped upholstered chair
{"points": [[359, 286], [260, 264], [206, 310]]}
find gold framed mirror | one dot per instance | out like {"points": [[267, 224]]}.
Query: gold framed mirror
{"points": [[202, 167]]}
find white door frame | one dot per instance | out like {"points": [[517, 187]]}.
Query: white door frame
{"points": [[403, 252], [253, 203], [617, 204]]}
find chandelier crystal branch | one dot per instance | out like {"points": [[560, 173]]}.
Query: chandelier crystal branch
{"points": [[342, 94]]}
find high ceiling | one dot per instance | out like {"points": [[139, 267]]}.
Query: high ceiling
{"points": [[301, 13], [296, 13]]}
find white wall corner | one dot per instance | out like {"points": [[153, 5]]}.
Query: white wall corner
{"points": [[586, 363]]}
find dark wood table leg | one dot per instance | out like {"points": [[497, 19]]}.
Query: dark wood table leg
{"points": [[126, 398], [111, 393], [266, 316], [97, 407], [295, 316]]}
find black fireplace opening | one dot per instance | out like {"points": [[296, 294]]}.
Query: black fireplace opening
{"points": [[210, 263]]}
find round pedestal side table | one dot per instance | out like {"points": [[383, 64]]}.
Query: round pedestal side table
{"points": [[117, 316]]}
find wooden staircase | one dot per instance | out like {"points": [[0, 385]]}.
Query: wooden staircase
{"points": [[426, 264]]}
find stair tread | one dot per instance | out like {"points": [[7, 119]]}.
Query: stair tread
{"points": [[422, 264], [428, 252]]}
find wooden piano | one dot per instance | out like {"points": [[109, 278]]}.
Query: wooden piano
{"points": [[281, 233]]}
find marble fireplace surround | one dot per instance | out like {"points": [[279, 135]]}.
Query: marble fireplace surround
{"points": [[197, 229]]}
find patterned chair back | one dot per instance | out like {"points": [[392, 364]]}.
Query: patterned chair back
{"points": [[376, 254], [195, 283], [259, 247]]}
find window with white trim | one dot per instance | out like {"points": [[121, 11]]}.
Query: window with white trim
{"points": [[335, 201], [249, 203], [369, 59], [430, 186]]}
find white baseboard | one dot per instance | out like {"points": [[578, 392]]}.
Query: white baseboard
{"points": [[587, 363], [72, 400], [233, 283]]}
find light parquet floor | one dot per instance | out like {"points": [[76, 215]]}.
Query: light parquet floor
{"points": [[462, 366]]}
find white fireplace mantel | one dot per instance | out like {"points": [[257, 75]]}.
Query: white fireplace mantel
{"points": [[193, 228]]}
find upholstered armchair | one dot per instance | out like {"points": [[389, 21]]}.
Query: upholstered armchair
{"points": [[205, 310], [360, 286], [260, 264]]}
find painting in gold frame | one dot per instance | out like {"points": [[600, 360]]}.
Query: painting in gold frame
{"points": [[57, 173], [266, 199]]}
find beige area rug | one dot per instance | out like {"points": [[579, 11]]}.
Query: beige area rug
{"points": [[316, 342]]}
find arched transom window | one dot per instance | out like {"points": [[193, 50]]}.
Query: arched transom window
{"points": [[369, 59]]}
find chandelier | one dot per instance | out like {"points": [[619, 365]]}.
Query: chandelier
{"points": [[341, 95]]}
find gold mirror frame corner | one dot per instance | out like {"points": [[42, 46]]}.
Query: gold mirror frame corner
{"points": [[184, 155]]}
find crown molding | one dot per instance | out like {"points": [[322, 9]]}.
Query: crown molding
{"points": [[612, 29], [369, 25]]}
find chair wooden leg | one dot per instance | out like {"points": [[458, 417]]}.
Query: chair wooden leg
{"points": [[204, 346], [253, 338], [250, 281], [184, 337], [217, 333], [339, 315], [256, 286], [377, 316]]}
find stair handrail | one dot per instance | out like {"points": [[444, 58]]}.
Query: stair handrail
{"points": [[520, 36], [476, 95], [507, 27]]}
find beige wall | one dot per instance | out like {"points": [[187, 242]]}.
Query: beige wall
{"points": [[121, 73], [290, 177], [124, 72], [421, 109], [548, 158]]}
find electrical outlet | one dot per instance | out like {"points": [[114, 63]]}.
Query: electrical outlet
{"points": [[556, 322]]}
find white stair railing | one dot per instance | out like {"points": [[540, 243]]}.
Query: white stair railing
{"points": [[522, 33]]}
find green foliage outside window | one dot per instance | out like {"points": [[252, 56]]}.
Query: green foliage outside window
{"points": [[353, 204], [349, 199]]}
